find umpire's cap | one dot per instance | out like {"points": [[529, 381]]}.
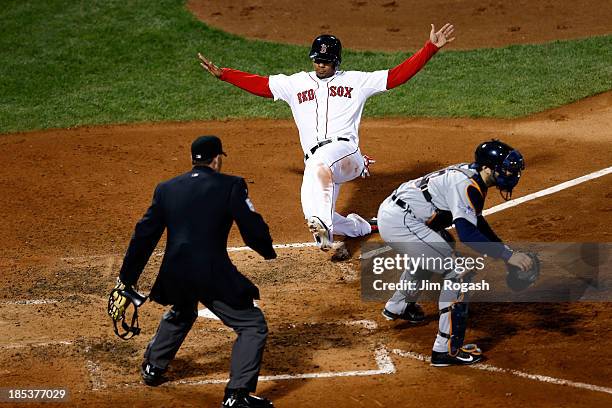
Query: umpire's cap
{"points": [[206, 147], [326, 48]]}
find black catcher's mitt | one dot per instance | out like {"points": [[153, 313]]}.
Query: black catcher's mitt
{"points": [[519, 280]]}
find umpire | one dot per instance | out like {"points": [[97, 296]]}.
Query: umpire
{"points": [[198, 209]]}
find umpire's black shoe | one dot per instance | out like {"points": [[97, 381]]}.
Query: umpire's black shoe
{"points": [[151, 375], [461, 358], [242, 399], [413, 313]]}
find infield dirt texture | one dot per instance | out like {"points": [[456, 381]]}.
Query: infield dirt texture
{"points": [[70, 198]]}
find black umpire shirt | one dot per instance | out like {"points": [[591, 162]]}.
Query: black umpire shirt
{"points": [[198, 209]]}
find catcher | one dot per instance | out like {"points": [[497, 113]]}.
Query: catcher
{"points": [[198, 209], [413, 219]]}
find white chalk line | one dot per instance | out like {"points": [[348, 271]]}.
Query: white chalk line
{"points": [[517, 201], [517, 373], [366, 324], [35, 344], [30, 302], [95, 373], [383, 361], [93, 368], [548, 191], [160, 253]]}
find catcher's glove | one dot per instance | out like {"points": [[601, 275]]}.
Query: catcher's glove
{"points": [[519, 280], [119, 300]]}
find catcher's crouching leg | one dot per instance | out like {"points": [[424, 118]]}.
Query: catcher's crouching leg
{"points": [[452, 325], [449, 348]]}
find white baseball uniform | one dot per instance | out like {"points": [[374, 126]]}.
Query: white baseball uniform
{"points": [[329, 109], [328, 113]]}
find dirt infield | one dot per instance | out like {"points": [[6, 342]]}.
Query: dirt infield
{"points": [[70, 199], [401, 25]]}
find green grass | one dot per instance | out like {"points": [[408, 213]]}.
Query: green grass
{"points": [[68, 63]]}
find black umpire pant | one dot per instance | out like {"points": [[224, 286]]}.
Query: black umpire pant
{"points": [[249, 324]]}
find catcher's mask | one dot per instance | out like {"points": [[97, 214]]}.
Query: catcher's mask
{"points": [[505, 162], [119, 302], [508, 173]]}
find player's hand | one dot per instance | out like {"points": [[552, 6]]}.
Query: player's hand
{"points": [[442, 37], [209, 66], [367, 162], [521, 260]]}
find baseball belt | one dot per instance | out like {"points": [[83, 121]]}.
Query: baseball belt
{"points": [[323, 143], [438, 221], [401, 203]]}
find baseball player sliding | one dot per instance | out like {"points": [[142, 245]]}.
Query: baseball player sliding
{"points": [[327, 104]]}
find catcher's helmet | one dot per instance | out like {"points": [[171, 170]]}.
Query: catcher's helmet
{"points": [[326, 48], [506, 163]]}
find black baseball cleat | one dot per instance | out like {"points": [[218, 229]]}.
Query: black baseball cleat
{"points": [[242, 399], [462, 357], [374, 224], [413, 313], [151, 375]]}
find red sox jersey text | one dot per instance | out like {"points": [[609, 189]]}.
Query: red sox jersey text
{"points": [[327, 108]]}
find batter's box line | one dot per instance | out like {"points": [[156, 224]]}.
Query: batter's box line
{"points": [[30, 302], [160, 253], [517, 373], [383, 362], [366, 324]]}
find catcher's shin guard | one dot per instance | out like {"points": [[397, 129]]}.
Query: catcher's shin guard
{"points": [[455, 328]]}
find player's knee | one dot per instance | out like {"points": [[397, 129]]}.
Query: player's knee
{"points": [[324, 173], [181, 316], [259, 327], [262, 327], [263, 331]]}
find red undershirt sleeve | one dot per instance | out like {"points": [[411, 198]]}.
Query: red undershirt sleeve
{"points": [[407, 69], [255, 84]]}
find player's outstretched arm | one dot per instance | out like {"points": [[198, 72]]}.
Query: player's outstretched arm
{"points": [[409, 68], [255, 84]]}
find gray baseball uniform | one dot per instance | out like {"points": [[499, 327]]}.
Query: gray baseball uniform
{"points": [[408, 220]]}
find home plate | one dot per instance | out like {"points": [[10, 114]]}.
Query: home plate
{"points": [[207, 314]]}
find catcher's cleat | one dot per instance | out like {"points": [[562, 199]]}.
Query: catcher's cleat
{"points": [[374, 224], [151, 375], [320, 233], [463, 357], [413, 313], [242, 399]]}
